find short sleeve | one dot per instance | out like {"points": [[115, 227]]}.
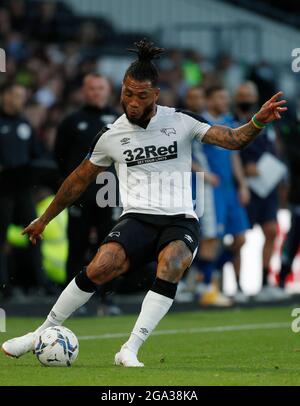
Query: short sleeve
{"points": [[196, 125], [98, 153]]}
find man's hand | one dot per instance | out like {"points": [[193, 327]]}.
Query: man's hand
{"points": [[34, 230], [211, 178], [271, 110]]}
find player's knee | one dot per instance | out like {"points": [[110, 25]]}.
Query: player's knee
{"points": [[98, 271], [171, 270], [109, 263], [172, 267]]}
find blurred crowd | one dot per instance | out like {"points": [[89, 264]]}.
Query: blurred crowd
{"points": [[59, 90]]}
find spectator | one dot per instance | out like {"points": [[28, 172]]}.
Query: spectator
{"points": [[264, 78], [18, 147], [192, 68], [229, 72], [45, 25], [74, 138], [195, 100]]}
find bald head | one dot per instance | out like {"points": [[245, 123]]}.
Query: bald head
{"points": [[96, 90], [247, 90]]}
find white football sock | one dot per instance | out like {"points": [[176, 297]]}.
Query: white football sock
{"points": [[154, 308], [47, 323], [70, 300], [134, 343]]}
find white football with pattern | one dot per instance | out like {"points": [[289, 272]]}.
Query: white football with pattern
{"points": [[56, 346]]}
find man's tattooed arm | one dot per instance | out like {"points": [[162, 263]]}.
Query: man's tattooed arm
{"points": [[70, 190], [239, 138], [74, 185], [231, 138]]}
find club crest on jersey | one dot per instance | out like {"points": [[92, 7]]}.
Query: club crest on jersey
{"points": [[125, 141], [150, 154], [168, 131]]}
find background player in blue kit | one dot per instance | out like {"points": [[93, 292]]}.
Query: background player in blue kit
{"points": [[223, 205]]}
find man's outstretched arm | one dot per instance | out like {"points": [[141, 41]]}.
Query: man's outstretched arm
{"points": [[74, 185], [239, 138]]}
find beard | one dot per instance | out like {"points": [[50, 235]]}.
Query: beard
{"points": [[142, 121]]}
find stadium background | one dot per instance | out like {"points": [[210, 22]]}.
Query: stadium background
{"points": [[51, 45]]}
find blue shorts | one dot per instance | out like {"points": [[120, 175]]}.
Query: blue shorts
{"points": [[223, 213], [263, 210]]}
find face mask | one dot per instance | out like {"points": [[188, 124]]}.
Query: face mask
{"points": [[245, 107]]}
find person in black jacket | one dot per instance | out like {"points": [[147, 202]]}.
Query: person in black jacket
{"points": [[73, 140], [290, 138], [18, 147], [261, 211]]}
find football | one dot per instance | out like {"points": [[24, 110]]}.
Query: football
{"points": [[56, 346]]}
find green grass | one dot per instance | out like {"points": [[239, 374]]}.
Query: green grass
{"points": [[261, 356]]}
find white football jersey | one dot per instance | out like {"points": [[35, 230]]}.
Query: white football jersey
{"points": [[153, 164]]}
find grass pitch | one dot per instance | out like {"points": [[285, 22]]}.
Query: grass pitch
{"points": [[236, 347]]}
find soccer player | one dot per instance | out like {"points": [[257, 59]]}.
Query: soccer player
{"points": [[148, 141]]}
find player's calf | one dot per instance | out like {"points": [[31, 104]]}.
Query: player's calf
{"points": [[173, 260]]}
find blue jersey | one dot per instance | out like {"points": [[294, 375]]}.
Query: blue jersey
{"points": [[219, 160], [223, 213]]}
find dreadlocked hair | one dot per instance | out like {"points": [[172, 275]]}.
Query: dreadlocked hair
{"points": [[143, 68]]}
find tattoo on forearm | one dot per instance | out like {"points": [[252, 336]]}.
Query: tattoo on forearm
{"points": [[232, 139], [246, 134], [71, 189], [237, 138]]}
